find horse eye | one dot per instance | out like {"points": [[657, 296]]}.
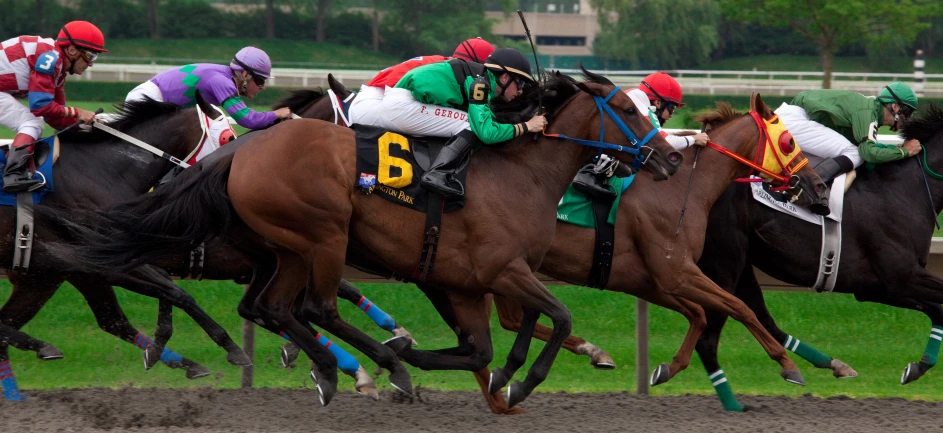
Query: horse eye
{"points": [[630, 110]]}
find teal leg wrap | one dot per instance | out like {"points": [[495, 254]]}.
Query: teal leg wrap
{"points": [[808, 353], [933, 346], [724, 392]]}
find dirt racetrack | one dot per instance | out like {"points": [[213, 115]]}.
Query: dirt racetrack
{"points": [[280, 410]]}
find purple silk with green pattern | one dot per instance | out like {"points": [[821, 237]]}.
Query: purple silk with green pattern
{"points": [[215, 83]]}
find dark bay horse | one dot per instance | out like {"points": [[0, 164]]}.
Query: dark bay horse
{"points": [[886, 232], [95, 170], [315, 103], [498, 240], [654, 263]]}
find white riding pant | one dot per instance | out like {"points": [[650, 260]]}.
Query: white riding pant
{"points": [[815, 138], [365, 107], [147, 88], [399, 111], [16, 116]]}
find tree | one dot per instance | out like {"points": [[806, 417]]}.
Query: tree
{"points": [[665, 33], [422, 27], [834, 24], [153, 18], [320, 14]]}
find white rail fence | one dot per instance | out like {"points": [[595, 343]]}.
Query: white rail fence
{"points": [[694, 81]]}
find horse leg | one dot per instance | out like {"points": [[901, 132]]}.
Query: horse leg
{"points": [[29, 295], [101, 299], [274, 304], [351, 294], [518, 283], [510, 314], [320, 307], [689, 283], [749, 291], [697, 321], [707, 351], [148, 281]]}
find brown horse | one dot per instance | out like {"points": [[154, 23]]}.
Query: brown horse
{"points": [[298, 198], [653, 263], [315, 103]]}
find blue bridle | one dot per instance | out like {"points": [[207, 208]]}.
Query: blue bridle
{"points": [[636, 144]]}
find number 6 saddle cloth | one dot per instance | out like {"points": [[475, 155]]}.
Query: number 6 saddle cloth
{"points": [[390, 164]]}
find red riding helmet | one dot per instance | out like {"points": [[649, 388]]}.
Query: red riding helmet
{"points": [[474, 50], [661, 86], [82, 34]]}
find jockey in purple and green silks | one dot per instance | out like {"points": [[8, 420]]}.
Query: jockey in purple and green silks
{"points": [[220, 85]]}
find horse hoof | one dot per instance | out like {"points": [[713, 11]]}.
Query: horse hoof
{"points": [[514, 411], [14, 395], [365, 385], [152, 355], [498, 380], [603, 361], [239, 358], [911, 373], [842, 370], [398, 344], [516, 394], [326, 388], [400, 331], [289, 354], [660, 375], [196, 371], [402, 382], [49, 353], [793, 376]]}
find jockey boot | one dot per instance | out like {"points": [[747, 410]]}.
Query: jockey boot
{"points": [[593, 179], [18, 172], [831, 168], [441, 175]]}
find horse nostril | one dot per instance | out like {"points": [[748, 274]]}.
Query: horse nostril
{"points": [[675, 158]]}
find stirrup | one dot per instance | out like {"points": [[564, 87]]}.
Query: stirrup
{"points": [[38, 185]]}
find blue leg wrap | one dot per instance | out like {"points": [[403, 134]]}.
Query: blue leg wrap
{"points": [[345, 361], [383, 320], [169, 357], [10, 390]]}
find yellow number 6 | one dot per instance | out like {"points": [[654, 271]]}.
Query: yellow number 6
{"points": [[387, 161], [478, 92]]}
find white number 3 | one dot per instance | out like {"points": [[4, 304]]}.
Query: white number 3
{"points": [[47, 65]]}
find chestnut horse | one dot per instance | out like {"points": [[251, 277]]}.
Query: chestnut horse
{"points": [[654, 263], [311, 212]]}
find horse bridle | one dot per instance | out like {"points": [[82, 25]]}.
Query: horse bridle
{"points": [[636, 146], [787, 176]]}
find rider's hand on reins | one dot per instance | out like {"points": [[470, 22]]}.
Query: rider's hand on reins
{"points": [[283, 113], [700, 139], [536, 124], [84, 116], [912, 146]]}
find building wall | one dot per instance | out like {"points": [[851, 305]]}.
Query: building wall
{"points": [[554, 33]]}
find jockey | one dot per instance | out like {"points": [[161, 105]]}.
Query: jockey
{"points": [[221, 85], [363, 108], [35, 68], [451, 99], [842, 126], [657, 96]]}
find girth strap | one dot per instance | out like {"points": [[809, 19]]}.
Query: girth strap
{"points": [[605, 238]]}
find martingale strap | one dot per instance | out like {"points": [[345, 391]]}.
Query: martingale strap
{"points": [[604, 109]]}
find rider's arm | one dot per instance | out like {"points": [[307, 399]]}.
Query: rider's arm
{"points": [[224, 90], [678, 142], [45, 99], [865, 129], [480, 118]]}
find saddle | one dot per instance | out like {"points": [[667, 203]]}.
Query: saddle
{"points": [[390, 164]]}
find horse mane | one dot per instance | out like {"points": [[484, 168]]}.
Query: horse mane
{"points": [[127, 115], [299, 99], [924, 127], [722, 114], [556, 89]]}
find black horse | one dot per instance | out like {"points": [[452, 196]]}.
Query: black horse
{"points": [[96, 170], [888, 222]]}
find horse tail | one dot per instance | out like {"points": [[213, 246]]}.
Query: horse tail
{"points": [[174, 219]]}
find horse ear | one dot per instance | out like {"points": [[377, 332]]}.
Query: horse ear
{"points": [[207, 108], [584, 87], [337, 87], [757, 104]]}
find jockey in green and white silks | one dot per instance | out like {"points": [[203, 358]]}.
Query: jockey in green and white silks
{"points": [[842, 125], [657, 96], [451, 99]]}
